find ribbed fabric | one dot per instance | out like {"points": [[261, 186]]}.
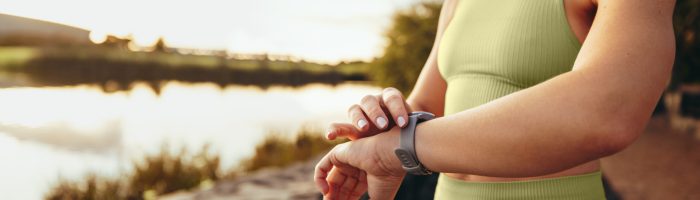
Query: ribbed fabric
{"points": [[493, 48], [581, 187], [496, 47]]}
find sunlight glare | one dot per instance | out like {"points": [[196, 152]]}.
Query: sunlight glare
{"points": [[86, 108], [97, 37], [326, 31]]}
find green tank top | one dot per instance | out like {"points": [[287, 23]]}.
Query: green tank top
{"points": [[492, 48]]}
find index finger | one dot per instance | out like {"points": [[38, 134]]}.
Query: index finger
{"points": [[393, 100], [336, 130]]}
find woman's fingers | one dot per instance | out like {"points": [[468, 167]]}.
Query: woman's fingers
{"points": [[361, 186], [345, 130], [336, 180], [383, 111], [346, 183], [350, 182], [371, 105], [321, 171], [358, 118], [393, 100], [341, 173], [342, 178]]}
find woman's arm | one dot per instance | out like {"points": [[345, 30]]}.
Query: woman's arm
{"points": [[428, 95], [429, 92], [595, 110]]}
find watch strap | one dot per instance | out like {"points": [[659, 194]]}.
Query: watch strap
{"points": [[407, 151]]}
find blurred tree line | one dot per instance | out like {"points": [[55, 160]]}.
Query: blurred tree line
{"points": [[686, 22], [410, 39], [31, 39], [411, 36]]}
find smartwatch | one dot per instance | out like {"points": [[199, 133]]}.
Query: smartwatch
{"points": [[406, 152]]}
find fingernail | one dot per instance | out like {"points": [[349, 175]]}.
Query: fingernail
{"points": [[381, 122], [401, 121], [361, 123], [330, 135]]}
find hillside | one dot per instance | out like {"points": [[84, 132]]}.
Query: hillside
{"points": [[21, 30]]}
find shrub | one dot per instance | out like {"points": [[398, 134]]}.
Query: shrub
{"points": [[168, 172], [277, 151]]}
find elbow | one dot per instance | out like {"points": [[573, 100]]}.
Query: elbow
{"points": [[616, 136]]}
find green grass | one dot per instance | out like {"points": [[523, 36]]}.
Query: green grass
{"points": [[16, 56], [353, 68], [54, 66], [123, 56]]}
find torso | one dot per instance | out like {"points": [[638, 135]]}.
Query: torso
{"points": [[484, 58]]}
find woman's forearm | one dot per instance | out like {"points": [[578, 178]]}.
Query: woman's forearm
{"points": [[595, 110], [537, 131]]}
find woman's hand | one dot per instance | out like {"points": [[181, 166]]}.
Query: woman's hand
{"points": [[354, 167], [384, 111]]}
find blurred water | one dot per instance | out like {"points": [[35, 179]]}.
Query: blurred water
{"points": [[52, 132]]}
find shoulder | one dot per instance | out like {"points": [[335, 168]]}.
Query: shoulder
{"points": [[659, 12], [672, 2], [658, 4]]}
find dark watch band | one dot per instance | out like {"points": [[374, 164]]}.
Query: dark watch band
{"points": [[406, 152]]}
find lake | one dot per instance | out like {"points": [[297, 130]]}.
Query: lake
{"points": [[47, 133]]}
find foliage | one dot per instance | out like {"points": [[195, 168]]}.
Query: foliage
{"points": [[276, 151], [93, 187], [410, 40], [686, 21], [39, 40], [167, 172], [12, 58], [160, 45], [161, 173], [109, 63], [412, 34]]}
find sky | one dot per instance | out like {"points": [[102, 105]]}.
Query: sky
{"points": [[317, 30]]}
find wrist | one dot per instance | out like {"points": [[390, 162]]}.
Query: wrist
{"points": [[421, 140], [384, 145]]}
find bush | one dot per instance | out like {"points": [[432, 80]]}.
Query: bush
{"points": [[168, 172], [161, 173], [276, 151]]}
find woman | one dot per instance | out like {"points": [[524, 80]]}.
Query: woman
{"points": [[529, 96]]}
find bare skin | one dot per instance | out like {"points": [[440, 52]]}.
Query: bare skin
{"points": [[580, 14], [619, 74]]}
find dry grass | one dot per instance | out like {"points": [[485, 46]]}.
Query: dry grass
{"points": [[168, 171], [277, 151]]}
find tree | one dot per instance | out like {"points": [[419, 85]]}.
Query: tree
{"points": [[686, 22], [410, 40], [160, 45]]}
